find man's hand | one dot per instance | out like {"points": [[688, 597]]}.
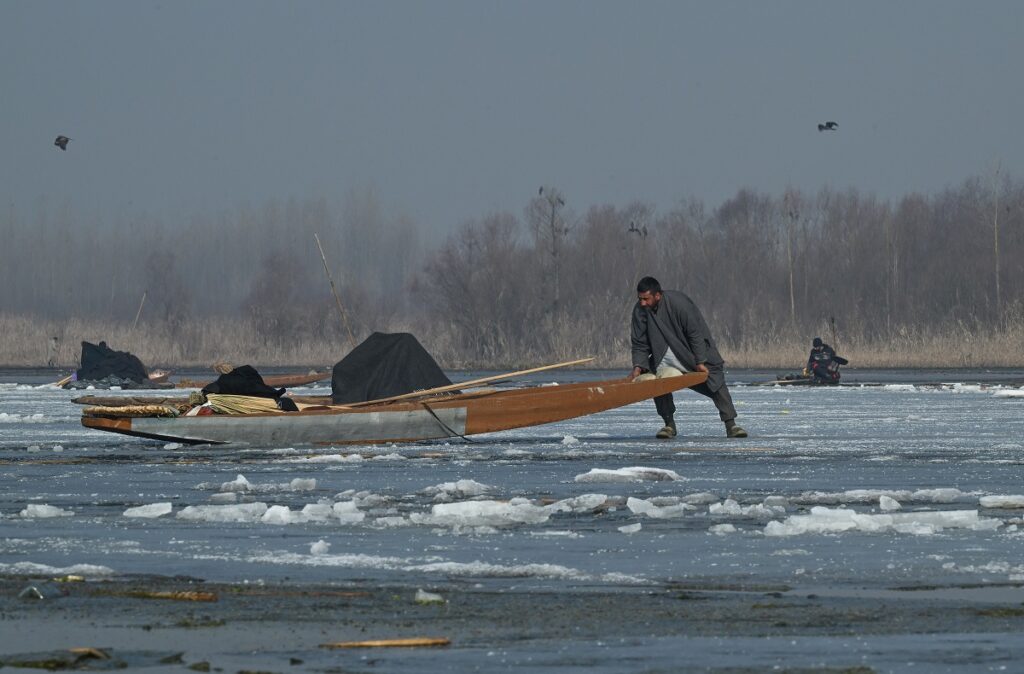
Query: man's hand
{"points": [[637, 371], [701, 367]]}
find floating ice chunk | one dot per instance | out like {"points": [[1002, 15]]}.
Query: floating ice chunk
{"points": [[1002, 501], [631, 528], [722, 529], [460, 489], [393, 456], [279, 514], [302, 484], [6, 418], [484, 569], [42, 511], [730, 507], [726, 507], [946, 495], [1010, 393], [367, 499], [172, 445], [319, 548], [888, 504], [224, 497], [642, 507], [899, 387], [317, 512], [701, 498], [149, 511], [423, 597], [578, 504], [827, 520], [942, 495], [570, 440], [34, 569], [236, 485], [243, 512], [482, 514], [631, 474], [347, 512]]}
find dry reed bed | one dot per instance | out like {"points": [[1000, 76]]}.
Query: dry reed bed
{"points": [[206, 341]]}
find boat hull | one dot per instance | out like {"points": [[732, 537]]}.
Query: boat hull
{"points": [[405, 421]]}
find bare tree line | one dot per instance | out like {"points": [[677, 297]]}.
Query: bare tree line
{"points": [[552, 283]]}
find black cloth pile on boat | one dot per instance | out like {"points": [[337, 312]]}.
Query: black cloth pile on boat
{"points": [[103, 367], [385, 365], [246, 381]]}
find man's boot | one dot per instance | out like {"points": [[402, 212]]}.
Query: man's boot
{"points": [[733, 430], [668, 431]]}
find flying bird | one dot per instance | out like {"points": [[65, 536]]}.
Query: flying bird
{"points": [[639, 231], [828, 126], [62, 142], [541, 191]]}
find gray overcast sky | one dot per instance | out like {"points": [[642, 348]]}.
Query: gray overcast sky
{"points": [[454, 109]]}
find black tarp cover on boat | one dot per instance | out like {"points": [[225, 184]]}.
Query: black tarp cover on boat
{"points": [[243, 381], [99, 361], [385, 365]]}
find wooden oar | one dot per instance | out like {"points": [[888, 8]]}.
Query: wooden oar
{"points": [[411, 642], [469, 384], [63, 381]]}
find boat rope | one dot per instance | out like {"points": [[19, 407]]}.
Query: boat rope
{"points": [[448, 429]]}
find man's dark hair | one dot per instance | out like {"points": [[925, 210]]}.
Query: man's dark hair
{"points": [[648, 284], [817, 341]]}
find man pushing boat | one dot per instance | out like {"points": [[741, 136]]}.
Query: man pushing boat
{"points": [[670, 337]]}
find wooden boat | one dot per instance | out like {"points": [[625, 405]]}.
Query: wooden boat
{"points": [[277, 381], [405, 420]]}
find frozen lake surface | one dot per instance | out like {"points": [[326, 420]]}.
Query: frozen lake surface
{"points": [[840, 491]]}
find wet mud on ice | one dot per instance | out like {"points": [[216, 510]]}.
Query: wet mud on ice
{"points": [[682, 627]]}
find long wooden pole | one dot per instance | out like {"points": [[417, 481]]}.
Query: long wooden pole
{"points": [[470, 384], [334, 291], [139, 312]]}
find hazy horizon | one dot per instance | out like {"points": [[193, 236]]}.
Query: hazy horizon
{"points": [[453, 110]]}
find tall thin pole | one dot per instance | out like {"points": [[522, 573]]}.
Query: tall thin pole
{"points": [[334, 291], [139, 312], [995, 238]]}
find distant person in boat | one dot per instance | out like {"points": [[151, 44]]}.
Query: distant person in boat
{"points": [[669, 337], [823, 363]]}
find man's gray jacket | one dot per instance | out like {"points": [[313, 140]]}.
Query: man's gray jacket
{"points": [[679, 325]]}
